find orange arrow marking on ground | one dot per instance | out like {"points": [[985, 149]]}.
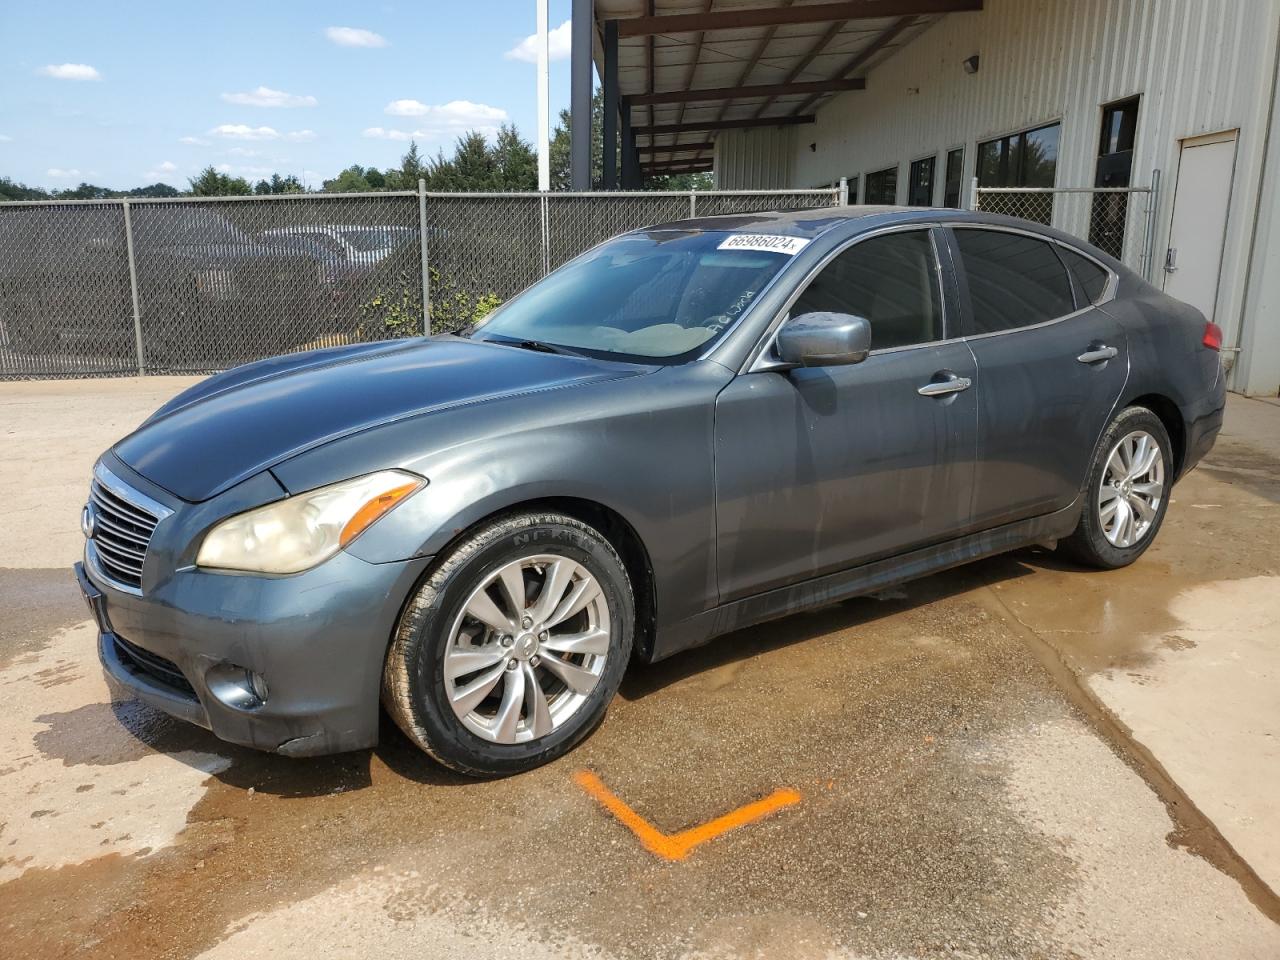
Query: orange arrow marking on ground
{"points": [[676, 846]]}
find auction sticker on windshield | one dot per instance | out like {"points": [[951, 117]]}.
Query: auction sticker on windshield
{"points": [[764, 242]]}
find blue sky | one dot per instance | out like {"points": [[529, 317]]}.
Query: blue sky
{"points": [[128, 93]]}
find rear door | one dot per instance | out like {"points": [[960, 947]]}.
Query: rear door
{"points": [[1050, 366], [822, 468]]}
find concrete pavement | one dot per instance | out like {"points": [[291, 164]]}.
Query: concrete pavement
{"points": [[1013, 759]]}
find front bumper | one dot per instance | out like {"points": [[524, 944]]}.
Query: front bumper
{"points": [[318, 639]]}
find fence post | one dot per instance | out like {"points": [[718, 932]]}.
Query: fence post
{"points": [[133, 289], [693, 204], [1153, 206], [844, 191], [546, 235], [973, 194], [426, 271]]}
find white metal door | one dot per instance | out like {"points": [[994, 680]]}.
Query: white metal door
{"points": [[1201, 199]]}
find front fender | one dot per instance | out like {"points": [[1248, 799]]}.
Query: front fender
{"points": [[639, 446]]}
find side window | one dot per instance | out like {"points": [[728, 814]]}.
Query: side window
{"points": [[892, 280], [1091, 277], [1014, 280]]}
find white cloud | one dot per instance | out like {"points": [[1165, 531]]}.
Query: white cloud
{"points": [[223, 168], [70, 71], [162, 171], [5, 138], [266, 97], [454, 116], [559, 43], [242, 152], [355, 37], [440, 121], [62, 174], [381, 133], [194, 141], [242, 131], [406, 108]]}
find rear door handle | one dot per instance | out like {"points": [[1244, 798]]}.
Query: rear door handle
{"points": [[947, 383], [1097, 354]]}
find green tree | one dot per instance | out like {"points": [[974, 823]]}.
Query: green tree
{"points": [[472, 166], [354, 179], [156, 190], [412, 169], [279, 184], [211, 183], [515, 163], [561, 147], [681, 181], [11, 190]]}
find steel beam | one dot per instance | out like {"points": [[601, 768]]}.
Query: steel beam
{"points": [[690, 125], [757, 90], [610, 131], [779, 16], [580, 96]]}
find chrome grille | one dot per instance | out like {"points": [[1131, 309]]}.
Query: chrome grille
{"points": [[120, 522]]}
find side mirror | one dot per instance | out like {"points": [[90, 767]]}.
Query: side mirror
{"points": [[823, 340]]}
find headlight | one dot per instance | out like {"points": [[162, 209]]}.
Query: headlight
{"points": [[300, 532]]}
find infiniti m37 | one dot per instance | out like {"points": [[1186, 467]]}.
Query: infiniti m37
{"points": [[688, 429]]}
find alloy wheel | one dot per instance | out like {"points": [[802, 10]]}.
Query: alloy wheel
{"points": [[1132, 489], [527, 649]]}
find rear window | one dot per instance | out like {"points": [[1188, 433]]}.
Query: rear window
{"points": [[1014, 280], [1091, 277]]}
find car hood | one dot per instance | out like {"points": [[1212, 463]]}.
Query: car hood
{"points": [[238, 423]]}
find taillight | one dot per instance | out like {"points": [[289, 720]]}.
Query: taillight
{"points": [[1212, 336]]}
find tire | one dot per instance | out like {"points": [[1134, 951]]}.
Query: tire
{"points": [[437, 628], [1099, 540]]}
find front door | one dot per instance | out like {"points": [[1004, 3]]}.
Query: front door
{"points": [[1201, 199], [822, 468], [1051, 367]]}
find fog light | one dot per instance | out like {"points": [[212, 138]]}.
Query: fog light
{"points": [[238, 687]]}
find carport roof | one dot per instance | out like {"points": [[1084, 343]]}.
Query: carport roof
{"points": [[690, 68]]}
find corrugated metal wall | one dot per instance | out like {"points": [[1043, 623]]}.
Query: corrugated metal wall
{"points": [[1201, 66], [761, 157]]}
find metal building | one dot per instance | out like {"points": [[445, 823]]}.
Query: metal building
{"points": [[918, 101]]}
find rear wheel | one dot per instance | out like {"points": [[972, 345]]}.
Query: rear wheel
{"points": [[510, 650], [1127, 492]]}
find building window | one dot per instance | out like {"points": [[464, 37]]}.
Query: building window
{"points": [[920, 186], [955, 178], [1109, 215], [1025, 159], [853, 188], [882, 186]]}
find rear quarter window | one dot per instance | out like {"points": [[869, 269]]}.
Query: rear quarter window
{"points": [[1091, 277], [1014, 280]]}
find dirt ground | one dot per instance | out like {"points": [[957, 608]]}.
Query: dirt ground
{"points": [[1014, 759]]}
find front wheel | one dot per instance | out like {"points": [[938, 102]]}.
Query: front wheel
{"points": [[511, 648], [1127, 493]]}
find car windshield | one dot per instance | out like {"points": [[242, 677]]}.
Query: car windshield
{"points": [[661, 295]]}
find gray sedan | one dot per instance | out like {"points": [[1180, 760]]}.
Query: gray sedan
{"points": [[689, 429]]}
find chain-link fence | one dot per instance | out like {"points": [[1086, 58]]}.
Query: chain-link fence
{"points": [[1119, 220], [109, 288]]}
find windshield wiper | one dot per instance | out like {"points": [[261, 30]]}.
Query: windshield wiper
{"points": [[537, 346]]}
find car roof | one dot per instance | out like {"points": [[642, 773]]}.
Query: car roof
{"points": [[807, 222], [812, 222]]}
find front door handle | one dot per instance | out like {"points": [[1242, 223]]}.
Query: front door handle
{"points": [[945, 382], [1098, 353]]}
